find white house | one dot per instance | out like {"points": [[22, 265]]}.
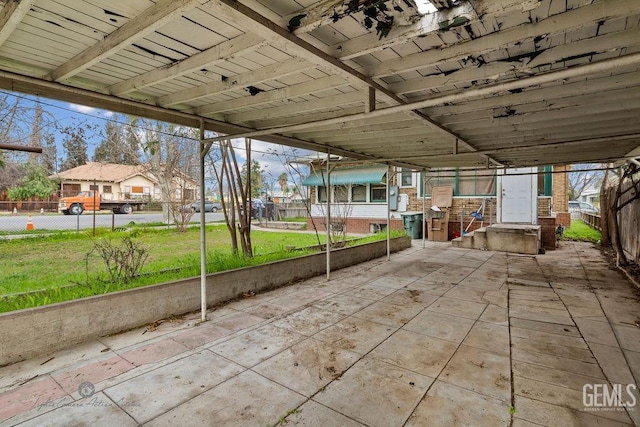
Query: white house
{"points": [[117, 182]]}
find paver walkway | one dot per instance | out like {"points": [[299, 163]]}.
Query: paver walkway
{"points": [[438, 336]]}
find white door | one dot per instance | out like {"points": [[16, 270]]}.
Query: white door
{"points": [[519, 196]]}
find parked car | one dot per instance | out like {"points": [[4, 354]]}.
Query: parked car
{"points": [[209, 206], [577, 207]]}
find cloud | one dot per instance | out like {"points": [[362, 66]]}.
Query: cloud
{"points": [[90, 110]]}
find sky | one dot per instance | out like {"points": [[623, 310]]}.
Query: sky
{"points": [[68, 114]]}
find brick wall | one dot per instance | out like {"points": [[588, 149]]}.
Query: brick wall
{"points": [[548, 232], [564, 219], [471, 204], [560, 189], [544, 206]]}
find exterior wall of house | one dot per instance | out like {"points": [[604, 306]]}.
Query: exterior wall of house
{"points": [[84, 186], [136, 187], [117, 191], [359, 225], [363, 215], [560, 190]]}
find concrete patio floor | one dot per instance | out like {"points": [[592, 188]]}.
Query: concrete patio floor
{"points": [[438, 336]]}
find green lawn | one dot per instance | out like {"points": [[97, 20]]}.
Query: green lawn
{"points": [[64, 259], [65, 266], [582, 232]]}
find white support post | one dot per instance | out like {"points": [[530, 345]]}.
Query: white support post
{"points": [[328, 226], [203, 234], [424, 209], [388, 216]]}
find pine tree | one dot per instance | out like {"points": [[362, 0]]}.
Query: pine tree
{"points": [[35, 139], [75, 147], [257, 177], [50, 154], [117, 145]]}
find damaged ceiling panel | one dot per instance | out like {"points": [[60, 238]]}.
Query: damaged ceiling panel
{"points": [[409, 82]]}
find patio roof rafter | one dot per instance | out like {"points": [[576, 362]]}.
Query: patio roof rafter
{"points": [[580, 70], [11, 15], [153, 18], [248, 18], [218, 53], [571, 19]]}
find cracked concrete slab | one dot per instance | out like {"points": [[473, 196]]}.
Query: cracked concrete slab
{"points": [[435, 336]]}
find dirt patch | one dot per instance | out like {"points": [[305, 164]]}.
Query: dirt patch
{"points": [[633, 269]]}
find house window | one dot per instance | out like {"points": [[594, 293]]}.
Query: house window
{"points": [[147, 191], [94, 187], [106, 189], [137, 190], [465, 182], [435, 178], [341, 194], [475, 183], [378, 193], [406, 177], [322, 194], [359, 193]]}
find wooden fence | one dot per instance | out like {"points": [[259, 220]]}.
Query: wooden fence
{"points": [[592, 219], [628, 220], [33, 204]]}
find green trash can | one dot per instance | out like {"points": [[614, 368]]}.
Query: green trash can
{"points": [[412, 222]]}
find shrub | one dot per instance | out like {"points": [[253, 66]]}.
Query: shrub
{"points": [[123, 262]]}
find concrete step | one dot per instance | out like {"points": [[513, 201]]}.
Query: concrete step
{"points": [[515, 238]]}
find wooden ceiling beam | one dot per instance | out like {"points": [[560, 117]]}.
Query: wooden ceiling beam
{"points": [[276, 95], [571, 19], [290, 108], [11, 15], [609, 65], [622, 99], [150, 20], [252, 21], [240, 81], [566, 116], [399, 34], [533, 146], [215, 54], [505, 69]]}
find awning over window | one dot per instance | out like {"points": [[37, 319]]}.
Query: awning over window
{"points": [[373, 175]]}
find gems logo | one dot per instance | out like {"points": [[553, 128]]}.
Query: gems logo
{"points": [[609, 397]]}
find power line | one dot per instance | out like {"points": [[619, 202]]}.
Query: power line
{"points": [[107, 119]]}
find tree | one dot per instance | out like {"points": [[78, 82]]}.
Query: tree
{"points": [[283, 181], [75, 146], [586, 175], [22, 122], [50, 154], [35, 183], [257, 177], [233, 178], [298, 169], [117, 146], [15, 117], [10, 175], [168, 151], [36, 135]]}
